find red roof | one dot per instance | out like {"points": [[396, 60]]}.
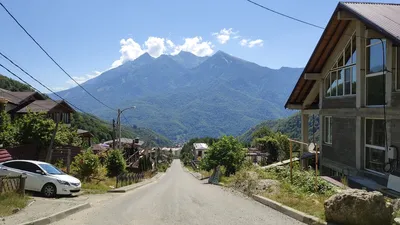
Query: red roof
{"points": [[4, 155]]}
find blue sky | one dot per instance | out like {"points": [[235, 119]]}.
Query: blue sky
{"points": [[91, 36]]}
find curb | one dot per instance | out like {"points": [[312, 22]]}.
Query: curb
{"points": [[58, 216], [137, 185], [295, 214]]}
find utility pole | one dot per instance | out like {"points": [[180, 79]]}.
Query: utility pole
{"points": [[119, 123], [119, 128], [113, 134]]}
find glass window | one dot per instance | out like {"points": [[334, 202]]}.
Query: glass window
{"points": [[14, 165], [375, 132], [340, 82], [376, 56], [353, 80], [30, 167], [375, 90], [354, 50], [348, 54], [375, 159], [347, 81], [50, 169], [328, 130], [328, 85], [334, 83]]}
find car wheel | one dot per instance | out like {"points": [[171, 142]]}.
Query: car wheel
{"points": [[49, 190]]}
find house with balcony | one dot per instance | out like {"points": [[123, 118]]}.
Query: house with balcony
{"points": [[352, 82]]}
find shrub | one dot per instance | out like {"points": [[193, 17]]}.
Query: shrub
{"points": [[227, 152], [115, 163], [85, 165], [303, 180]]}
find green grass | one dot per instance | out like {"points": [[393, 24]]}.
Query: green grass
{"points": [[397, 214], [10, 201], [98, 186], [312, 204]]}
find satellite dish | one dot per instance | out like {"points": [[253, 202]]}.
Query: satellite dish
{"points": [[311, 147]]}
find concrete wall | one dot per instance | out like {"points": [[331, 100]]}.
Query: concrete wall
{"points": [[395, 133], [343, 148], [396, 100], [337, 103]]}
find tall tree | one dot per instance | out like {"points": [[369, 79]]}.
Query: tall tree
{"points": [[227, 152]]}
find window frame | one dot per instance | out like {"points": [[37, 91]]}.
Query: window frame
{"points": [[380, 148], [337, 70], [382, 73], [329, 129]]}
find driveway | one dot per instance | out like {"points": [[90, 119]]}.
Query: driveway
{"points": [[178, 198]]}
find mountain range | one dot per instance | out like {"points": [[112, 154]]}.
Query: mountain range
{"points": [[185, 96]]}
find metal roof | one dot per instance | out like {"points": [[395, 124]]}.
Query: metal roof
{"points": [[46, 106], [200, 146], [17, 97], [383, 17]]}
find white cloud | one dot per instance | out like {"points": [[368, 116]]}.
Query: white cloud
{"points": [[84, 78], [251, 43], [170, 43], [194, 45], [130, 50], [243, 42], [257, 42], [224, 35], [155, 46]]}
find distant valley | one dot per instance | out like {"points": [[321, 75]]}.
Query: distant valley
{"points": [[186, 96]]}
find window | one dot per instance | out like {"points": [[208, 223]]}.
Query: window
{"points": [[50, 169], [375, 77], [30, 167], [328, 130], [375, 144], [14, 165], [341, 79]]}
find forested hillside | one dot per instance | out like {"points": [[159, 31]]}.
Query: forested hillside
{"points": [[290, 126], [101, 130]]}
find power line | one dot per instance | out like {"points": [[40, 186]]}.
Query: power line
{"points": [[9, 93], [22, 80], [285, 15], [34, 40]]}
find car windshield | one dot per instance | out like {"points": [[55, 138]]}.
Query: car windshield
{"points": [[50, 169]]}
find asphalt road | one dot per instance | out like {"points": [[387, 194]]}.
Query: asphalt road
{"points": [[179, 198]]}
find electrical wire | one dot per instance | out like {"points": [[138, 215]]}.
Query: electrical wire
{"points": [[25, 82], [285, 15], [52, 59]]}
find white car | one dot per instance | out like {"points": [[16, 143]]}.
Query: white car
{"points": [[41, 177]]}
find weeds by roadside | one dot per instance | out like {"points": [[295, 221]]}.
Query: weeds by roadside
{"points": [[300, 194], [11, 201], [98, 186]]}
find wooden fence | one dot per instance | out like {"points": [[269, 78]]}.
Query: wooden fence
{"points": [[12, 184], [125, 179]]}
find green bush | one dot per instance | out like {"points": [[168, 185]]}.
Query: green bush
{"points": [[162, 167], [85, 165], [303, 180], [115, 163]]}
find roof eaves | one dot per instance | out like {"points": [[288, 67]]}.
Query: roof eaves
{"points": [[314, 51]]}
